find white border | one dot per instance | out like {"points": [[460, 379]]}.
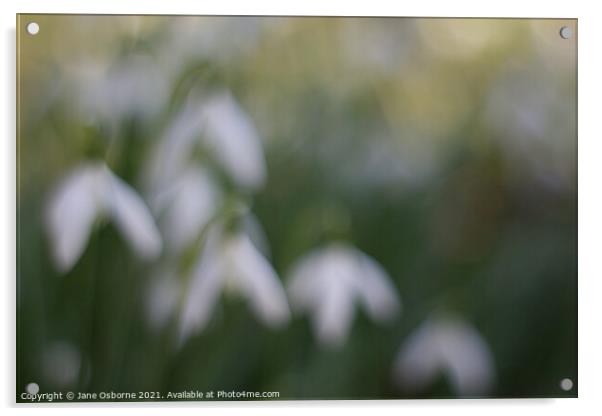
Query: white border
{"points": [[590, 201]]}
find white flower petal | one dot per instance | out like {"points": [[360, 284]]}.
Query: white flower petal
{"points": [[336, 285], [134, 86], [137, 86], [302, 282], [70, 214], [257, 280], [468, 359], [232, 261], [333, 314], [232, 137], [173, 151], [133, 217], [204, 289], [377, 292], [418, 362], [194, 200], [450, 346], [328, 282], [227, 131], [256, 233]]}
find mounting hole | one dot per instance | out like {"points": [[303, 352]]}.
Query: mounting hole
{"points": [[566, 384], [32, 388], [566, 32], [33, 28]]}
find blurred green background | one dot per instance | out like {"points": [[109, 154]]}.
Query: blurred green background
{"points": [[445, 149]]}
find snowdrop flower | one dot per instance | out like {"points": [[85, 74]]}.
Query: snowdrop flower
{"points": [[133, 86], [230, 134], [327, 284], [90, 192], [231, 263], [256, 233], [166, 288], [188, 204], [217, 122], [449, 346], [172, 154]]}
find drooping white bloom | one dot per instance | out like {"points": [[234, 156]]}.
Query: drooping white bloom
{"points": [[220, 125], [230, 262], [256, 233], [187, 204], [449, 346], [231, 135], [172, 154], [133, 86], [166, 289], [328, 283], [91, 191]]}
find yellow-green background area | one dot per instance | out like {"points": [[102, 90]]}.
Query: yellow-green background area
{"points": [[443, 148]]}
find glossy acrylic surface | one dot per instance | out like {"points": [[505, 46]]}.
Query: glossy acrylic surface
{"points": [[227, 208]]}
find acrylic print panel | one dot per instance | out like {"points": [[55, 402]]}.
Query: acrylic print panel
{"points": [[283, 208]]}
